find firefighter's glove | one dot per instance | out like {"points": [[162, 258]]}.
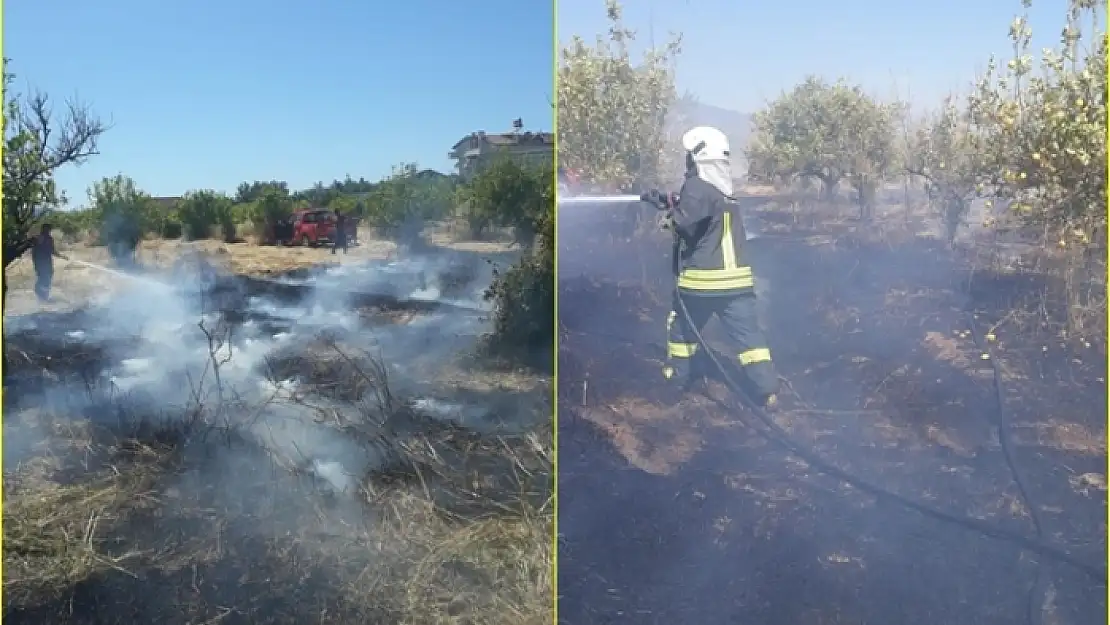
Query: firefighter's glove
{"points": [[666, 220], [656, 198]]}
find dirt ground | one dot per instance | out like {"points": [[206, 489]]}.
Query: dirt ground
{"points": [[675, 510]]}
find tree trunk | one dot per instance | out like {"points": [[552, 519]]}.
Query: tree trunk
{"points": [[866, 189], [828, 188]]}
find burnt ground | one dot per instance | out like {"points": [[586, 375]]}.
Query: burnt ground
{"points": [[118, 508], [677, 511]]}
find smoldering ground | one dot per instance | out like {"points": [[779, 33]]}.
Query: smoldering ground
{"points": [[321, 446], [685, 513]]}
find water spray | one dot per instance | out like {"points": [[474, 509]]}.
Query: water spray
{"points": [[599, 199], [118, 274], [750, 232]]}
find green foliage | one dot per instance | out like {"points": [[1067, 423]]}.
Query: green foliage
{"points": [[1041, 137], [407, 196], [830, 132], [36, 145], [74, 223], [272, 206], [508, 194], [125, 214], [172, 229], [524, 300], [942, 152], [612, 111], [249, 192], [524, 295], [202, 211], [344, 204]]}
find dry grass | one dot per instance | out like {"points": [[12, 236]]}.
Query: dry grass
{"points": [[457, 529]]}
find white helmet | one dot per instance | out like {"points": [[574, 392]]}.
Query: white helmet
{"points": [[705, 143], [707, 152]]}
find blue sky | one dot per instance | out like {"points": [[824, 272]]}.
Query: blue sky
{"points": [[210, 93], [737, 54]]}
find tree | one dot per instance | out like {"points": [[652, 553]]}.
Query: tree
{"points": [[125, 214], [268, 209], [405, 200], [830, 132], [202, 211], [508, 194], [942, 151], [248, 192], [1041, 141], [36, 144], [1042, 137], [612, 112]]}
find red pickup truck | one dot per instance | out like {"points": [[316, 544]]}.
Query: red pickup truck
{"points": [[313, 227]]}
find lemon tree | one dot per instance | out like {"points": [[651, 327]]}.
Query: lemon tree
{"points": [[612, 108], [943, 152], [1042, 134]]}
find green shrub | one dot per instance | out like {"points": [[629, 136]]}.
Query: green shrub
{"points": [[171, 229], [524, 295], [201, 211], [508, 194]]}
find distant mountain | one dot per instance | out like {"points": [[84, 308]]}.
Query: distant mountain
{"points": [[738, 126]]}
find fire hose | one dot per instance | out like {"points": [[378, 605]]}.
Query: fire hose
{"points": [[667, 204]]}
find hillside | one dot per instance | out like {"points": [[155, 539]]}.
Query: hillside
{"points": [[738, 126]]}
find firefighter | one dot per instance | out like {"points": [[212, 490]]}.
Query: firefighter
{"points": [[712, 274]]}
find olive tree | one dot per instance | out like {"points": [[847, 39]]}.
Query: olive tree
{"points": [[831, 132], [612, 109]]}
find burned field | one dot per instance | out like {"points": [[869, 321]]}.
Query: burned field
{"points": [[327, 446], [688, 512]]}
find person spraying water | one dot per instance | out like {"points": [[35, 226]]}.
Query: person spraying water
{"points": [[43, 253]]}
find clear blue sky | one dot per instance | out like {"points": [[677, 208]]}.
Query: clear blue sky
{"points": [[210, 93], [739, 53]]}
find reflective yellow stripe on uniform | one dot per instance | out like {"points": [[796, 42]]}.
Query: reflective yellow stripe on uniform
{"points": [[728, 251], [668, 372], [681, 350], [752, 356], [730, 277], [716, 279]]}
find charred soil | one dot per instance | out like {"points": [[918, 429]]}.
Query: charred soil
{"points": [[673, 509]]}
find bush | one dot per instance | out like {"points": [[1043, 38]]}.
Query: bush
{"points": [[508, 194], [125, 214], [73, 223], [272, 206], [524, 297], [171, 229], [407, 197], [201, 211]]}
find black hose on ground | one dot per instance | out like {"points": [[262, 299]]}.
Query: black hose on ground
{"points": [[1035, 605], [778, 435]]}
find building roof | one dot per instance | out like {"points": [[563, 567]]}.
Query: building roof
{"points": [[505, 139]]}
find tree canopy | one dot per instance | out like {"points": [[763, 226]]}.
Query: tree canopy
{"points": [[612, 110]]}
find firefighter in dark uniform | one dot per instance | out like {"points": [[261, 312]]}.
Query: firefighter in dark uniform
{"points": [[712, 274]]}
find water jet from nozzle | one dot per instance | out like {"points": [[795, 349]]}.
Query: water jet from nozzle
{"points": [[118, 274], [598, 199]]}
